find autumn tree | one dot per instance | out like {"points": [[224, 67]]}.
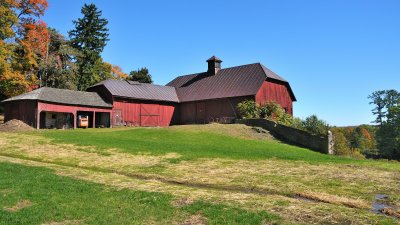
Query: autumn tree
{"points": [[90, 36], [141, 75], [117, 73], [8, 18], [21, 45], [108, 71]]}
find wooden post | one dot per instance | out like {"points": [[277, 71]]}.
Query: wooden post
{"points": [[94, 119], [75, 119], [38, 120]]}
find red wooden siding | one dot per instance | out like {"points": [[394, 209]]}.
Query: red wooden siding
{"points": [[52, 107], [24, 110], [275, 92], [219, 110], [136, 113]]}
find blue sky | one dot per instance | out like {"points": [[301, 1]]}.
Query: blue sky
{"points": [[333, 53]]}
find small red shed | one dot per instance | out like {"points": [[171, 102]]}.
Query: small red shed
{"points": [[58, 108]]}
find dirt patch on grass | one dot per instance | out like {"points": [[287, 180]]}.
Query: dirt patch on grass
{"points": [[20, 205], [6, 191], [15, 125], [197, 219], [333, 199], [391, 212], [182, 202]]}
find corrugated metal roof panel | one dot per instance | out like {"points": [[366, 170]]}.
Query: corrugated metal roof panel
{"points": [[143, 91], [63, 96], [229, 82]]}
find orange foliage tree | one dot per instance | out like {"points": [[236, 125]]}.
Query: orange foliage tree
{"points": [[26, 46], [37, 38], [29, 7]]}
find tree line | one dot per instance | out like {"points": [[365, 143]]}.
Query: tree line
{"points": [[33, 55]]}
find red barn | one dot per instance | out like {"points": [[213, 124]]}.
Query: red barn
{"points": [[205, 97], [213, 95]]}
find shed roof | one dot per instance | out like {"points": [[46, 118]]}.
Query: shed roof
{"points": [[142, 91], [63, 96], [236, 81]]}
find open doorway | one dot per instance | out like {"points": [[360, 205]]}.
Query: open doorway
{"points": [[102, 119], [84, 114], [56, 120]]}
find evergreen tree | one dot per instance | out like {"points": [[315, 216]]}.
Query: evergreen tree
{"points": [[388, 136], [141, 75], [90, 36]]}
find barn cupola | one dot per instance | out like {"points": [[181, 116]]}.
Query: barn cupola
{"points": [[214, 65]]}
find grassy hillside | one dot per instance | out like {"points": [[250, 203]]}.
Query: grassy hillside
{"points": [[193, 142], [214, 174]]}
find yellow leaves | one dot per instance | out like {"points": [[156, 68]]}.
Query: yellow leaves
{"points": [[7, 19], [12, 82]]}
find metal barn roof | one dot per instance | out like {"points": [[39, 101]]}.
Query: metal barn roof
{"points": [[142, 91], [63, 96], [229, 82]]}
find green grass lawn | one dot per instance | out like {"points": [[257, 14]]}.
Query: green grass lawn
{"points": [[50, 198]]}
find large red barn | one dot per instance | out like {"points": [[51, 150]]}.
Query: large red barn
{"points": [[205, 97], [213, 95]]}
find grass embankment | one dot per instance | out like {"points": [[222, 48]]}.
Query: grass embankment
{"points": [[216, 164], [193, 142]]}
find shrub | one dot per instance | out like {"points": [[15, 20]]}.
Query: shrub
{"points": [[249, 109], [271, 110]]}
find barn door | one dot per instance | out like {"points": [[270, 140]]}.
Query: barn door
{"points": [[200, 112], [117, 117], [149, 115]]}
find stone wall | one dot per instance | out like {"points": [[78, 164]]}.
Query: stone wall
{"points": [[323, 144]]}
